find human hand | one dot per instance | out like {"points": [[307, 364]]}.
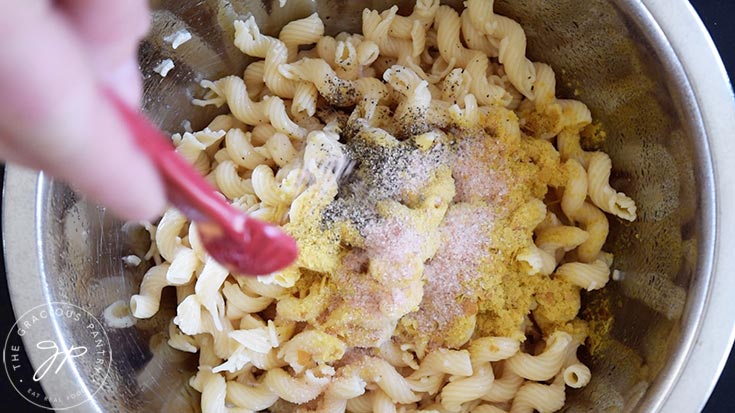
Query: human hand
{"points": [[53, 116]]}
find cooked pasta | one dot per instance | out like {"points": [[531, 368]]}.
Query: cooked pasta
{"points": [[383, 403], [253, 78], [575, 374], [487, 408], [361, 404], [301, 32], [292, 389], [376, 28], [229, 181], [561, 237], [475, 38], [588, 276], [448, 38], [504, 388], [545, 365], [444, 361], [493, 349], [597, 226], [446, 214], [213, 388], [462, 390], [252, 397], [539, 397], [600, 192], [145, 304], [183, 266], [180, 341], [575, 190], [118, 315], [423, 13]]}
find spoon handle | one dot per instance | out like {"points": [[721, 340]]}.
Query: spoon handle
{"points": [[244, 244]]}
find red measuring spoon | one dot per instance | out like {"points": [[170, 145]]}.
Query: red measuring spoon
{"points": [[242, 244]]}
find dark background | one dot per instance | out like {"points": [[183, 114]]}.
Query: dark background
{"points": [[717, 16]]}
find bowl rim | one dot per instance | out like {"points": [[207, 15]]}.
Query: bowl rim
{"points": [[686, 384], [712, 338]]}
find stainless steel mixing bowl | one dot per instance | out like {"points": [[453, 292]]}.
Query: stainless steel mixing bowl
{"points": [[647, 69]]}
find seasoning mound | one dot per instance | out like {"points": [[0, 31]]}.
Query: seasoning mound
{"points": [[426, 237]]}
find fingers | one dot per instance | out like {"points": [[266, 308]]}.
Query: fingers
{"points": [[52, 115], [125, 80], [111, 31]]}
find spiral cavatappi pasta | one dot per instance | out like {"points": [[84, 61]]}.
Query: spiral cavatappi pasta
{"points": [[446, 213]]}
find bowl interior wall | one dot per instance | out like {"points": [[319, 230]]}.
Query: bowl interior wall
{"points": [[600, 55]]}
